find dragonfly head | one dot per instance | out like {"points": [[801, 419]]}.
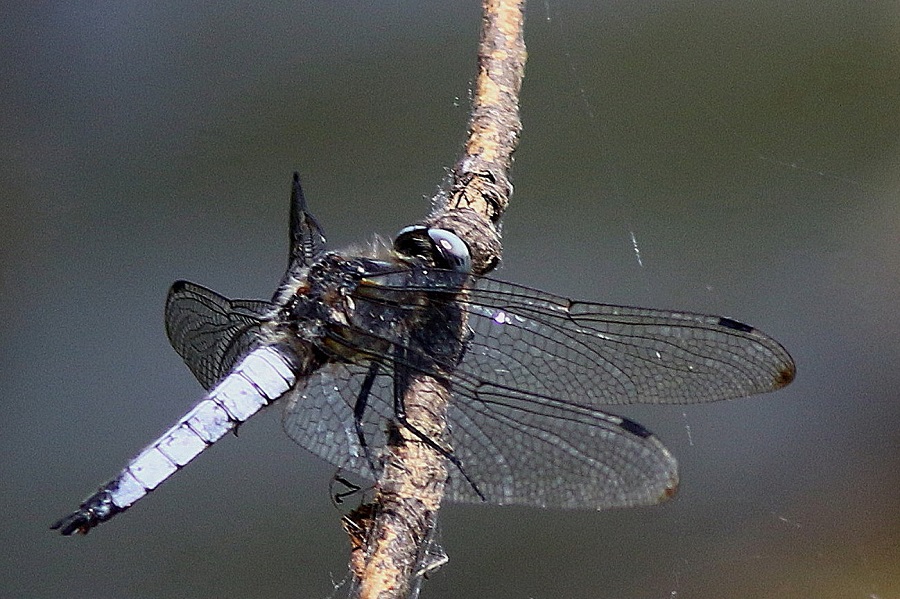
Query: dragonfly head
{"points": [[435, 247]]}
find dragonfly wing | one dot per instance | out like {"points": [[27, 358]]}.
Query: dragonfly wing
{"points": [[598, 354], [319, 416], [525, 422], [520, 449], [516, 447], [209, 331]]}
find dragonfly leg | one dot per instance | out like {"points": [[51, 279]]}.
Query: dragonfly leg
{"points": [[400, 378], [359, 409]]}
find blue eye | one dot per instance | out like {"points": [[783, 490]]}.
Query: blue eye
{"points": [[438, 247], [452, 250]]}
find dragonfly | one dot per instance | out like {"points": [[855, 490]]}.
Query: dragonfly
{"points": [[530, 374]]}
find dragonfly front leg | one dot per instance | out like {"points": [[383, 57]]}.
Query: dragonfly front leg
{"points": [[359, 411], [401, 383]]}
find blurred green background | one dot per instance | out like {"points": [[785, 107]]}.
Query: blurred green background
{"points": [[750, 148]]}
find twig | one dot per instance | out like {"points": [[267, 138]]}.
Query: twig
{"points": [[412, 483]]}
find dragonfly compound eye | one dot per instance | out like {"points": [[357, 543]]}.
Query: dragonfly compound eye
{"points": [[437, 247], [453, 252]]}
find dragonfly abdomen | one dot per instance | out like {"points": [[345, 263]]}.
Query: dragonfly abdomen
{"points": [[263, 376]]}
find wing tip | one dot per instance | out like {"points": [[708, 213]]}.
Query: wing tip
{"points": [[670, 479], [785, 375], [664, 485], [670, 489]]}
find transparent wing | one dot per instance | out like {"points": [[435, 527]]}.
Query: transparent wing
{"points": [[599, 354], [319, 416], [521, 449], [517, 448], [602, 355], [209, 331], [525, 420]]}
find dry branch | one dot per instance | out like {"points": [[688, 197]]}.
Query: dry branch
{"points": [[412, 483]]}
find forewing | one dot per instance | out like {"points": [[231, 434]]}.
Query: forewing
{"points": [[209, 331], [599, 354]]}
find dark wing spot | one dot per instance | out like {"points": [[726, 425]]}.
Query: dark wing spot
{"points": [[733, 324], [634, 428]]}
